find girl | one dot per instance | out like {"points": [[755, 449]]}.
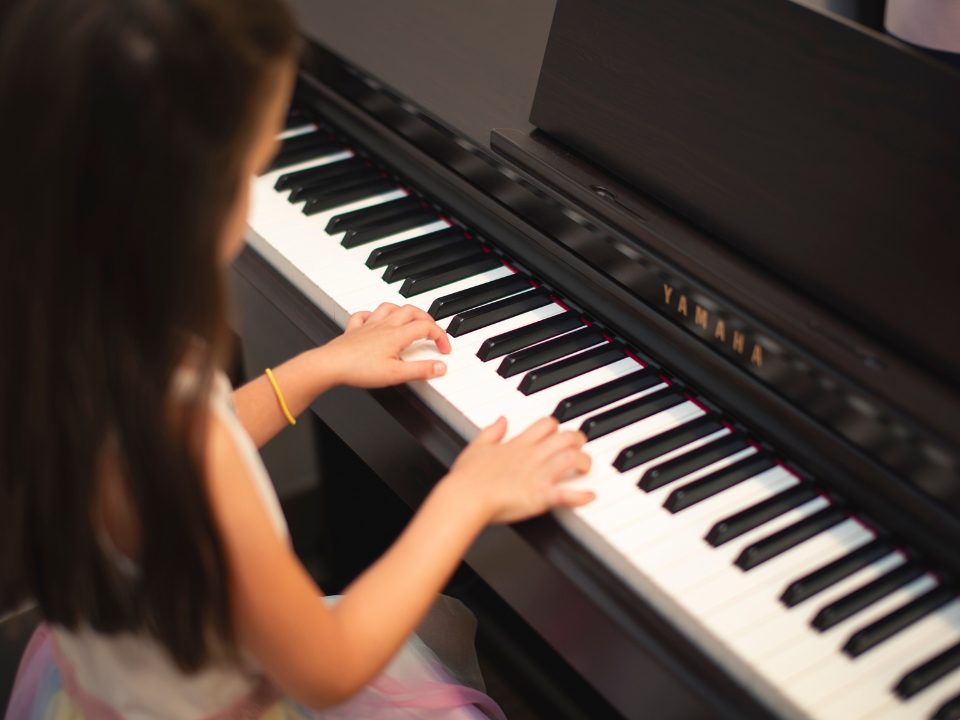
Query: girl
{"points": [[133, 506]]}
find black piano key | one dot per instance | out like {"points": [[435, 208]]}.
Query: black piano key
{"points": [[682, 465], [660, 445], [950, 710], [368, 217], [753, 517], [450, 273], [406, 249], [716, 482], [333, 184], [631, 412], [856, 601], [563, 370], [877, 632], [304, 147], [928, 673], [828, 575], [509, 342], [348, 195], [362, 236], [430, 260], [790, 537], [548, 351], [487, 315], [449, 305], [609, 392], [295, 119], [303, 178]]}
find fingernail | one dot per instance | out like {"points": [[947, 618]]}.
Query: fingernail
{"points": [[439, 369]]}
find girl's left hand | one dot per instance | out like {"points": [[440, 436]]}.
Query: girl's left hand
{"points": [[367, 355]]}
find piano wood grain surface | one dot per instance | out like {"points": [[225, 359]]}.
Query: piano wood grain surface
{"points": [[471, 65]]}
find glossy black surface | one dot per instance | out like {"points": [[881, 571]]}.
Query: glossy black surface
{"points": [[302, 178], [350, 192], [371, 216], [562, 370], [856, 601], [790, 537], [699, 490], [431, 260], [405, 249], [417, 218], [678, 467], [481, 317], [753, 517], [862, 223], [523, 360], [509, 342], [444, 307], [928, 673], [877, 632], [821, 579], [302, 147], [449, 273], [668, 441], [629, 413], [595, 398]]}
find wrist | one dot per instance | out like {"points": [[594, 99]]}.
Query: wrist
{"points": [[325, 370], [471, 508]]}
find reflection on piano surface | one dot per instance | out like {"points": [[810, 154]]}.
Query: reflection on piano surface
{"points": [[804, 595]]}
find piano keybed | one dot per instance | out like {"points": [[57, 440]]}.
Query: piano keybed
{"points": [[831, 617]]}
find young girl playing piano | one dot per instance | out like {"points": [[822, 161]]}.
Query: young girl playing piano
{"points": [[134, 508]]}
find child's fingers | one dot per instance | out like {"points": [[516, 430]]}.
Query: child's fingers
{"points": [[421, 370], [560, 496], [419, 329], [542, 428], [382, 311], [492, 433], [564, 461], [357, 319], [407, 313], [561, 441]]}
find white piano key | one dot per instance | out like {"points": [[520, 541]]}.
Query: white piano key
{"points": [[611, 518], [922, 705], [297, 130], [630, 478], [748, 597], [844, 687], [776, 633], [814, 647], [693, 551], [545, 402], [650, 543]]}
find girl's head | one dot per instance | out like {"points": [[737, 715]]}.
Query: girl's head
{"points": [[128, 132]]}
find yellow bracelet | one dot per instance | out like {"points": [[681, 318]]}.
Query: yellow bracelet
{"points": [[276, 389]]}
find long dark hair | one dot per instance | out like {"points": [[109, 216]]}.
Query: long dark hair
{"points": [[123, 125]]}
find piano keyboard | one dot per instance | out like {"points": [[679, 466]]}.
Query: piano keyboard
{"points": [[804, 602]]}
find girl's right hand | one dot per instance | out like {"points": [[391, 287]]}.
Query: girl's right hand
{"points": [[521, 478]]}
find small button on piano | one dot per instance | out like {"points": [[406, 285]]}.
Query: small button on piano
{"points": [[729, 256]]}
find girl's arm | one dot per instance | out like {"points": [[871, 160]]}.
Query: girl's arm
{"points": [[323, 655], [366, 355]]}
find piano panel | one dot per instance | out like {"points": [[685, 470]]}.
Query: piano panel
{"points": [[729, 529], [819, 148]]}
